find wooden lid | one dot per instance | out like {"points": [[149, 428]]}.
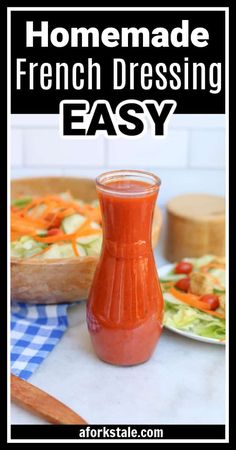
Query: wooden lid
{"points": [[197, 207]]}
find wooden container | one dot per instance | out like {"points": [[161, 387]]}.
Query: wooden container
{"points": [[195, 226], [58, 280]]}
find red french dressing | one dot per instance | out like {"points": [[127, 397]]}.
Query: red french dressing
{"points": [[125, 306]]}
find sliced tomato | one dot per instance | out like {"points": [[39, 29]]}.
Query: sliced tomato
{"points": [[54, 232], [212, 300], [53, 219], [183, 284], [183, 267]]}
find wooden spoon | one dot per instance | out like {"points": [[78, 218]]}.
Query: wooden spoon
{"points": [[42, 404]]}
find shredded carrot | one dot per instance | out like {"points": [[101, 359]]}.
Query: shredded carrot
{"points": [[53, 200], [14, 209], [32, 204], [52, 239], [48, 209], [185, 297], [194, 300], [66, 212], [65, 203], [23, 228], [53, 220], [83, 225], [15, 235], [75, 247], [94, 214], [87, 231], [27, 220]]}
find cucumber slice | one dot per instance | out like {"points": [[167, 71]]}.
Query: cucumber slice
{"points": [[62, 251], [94, 248], [71, 223], [81, 250], [95, 225], [92, 244], [38, 210], [25, 247], [58, 251], [87, 240]]}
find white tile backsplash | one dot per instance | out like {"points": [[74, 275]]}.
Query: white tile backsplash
{"points": [[190, 159], [84, 173], [207, 148], [16, 148], [44, 147], [171, 151], [181, 181]]}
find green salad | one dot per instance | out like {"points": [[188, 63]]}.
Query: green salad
{"points": [[55, 226], [194, 296]]}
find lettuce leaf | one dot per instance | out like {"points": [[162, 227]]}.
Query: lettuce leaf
{"points": [[184, 317]]}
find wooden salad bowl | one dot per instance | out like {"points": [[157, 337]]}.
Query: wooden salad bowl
{"points": [[65, 279]]}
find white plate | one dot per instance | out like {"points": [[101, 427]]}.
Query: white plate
{"points": [[163, 271]]}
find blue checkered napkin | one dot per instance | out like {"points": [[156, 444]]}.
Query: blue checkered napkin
{"points": [[35, 331]]}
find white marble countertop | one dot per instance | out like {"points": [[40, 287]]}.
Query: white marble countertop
{"points": [[183, 382]]}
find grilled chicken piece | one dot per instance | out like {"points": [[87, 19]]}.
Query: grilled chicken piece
{"points": [[200, 284], [222, 301]]}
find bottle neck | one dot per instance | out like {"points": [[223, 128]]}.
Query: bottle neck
{"points": [[127, 224]]}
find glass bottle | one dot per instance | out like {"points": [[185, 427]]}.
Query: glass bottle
{"points": [[125, 305]]}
